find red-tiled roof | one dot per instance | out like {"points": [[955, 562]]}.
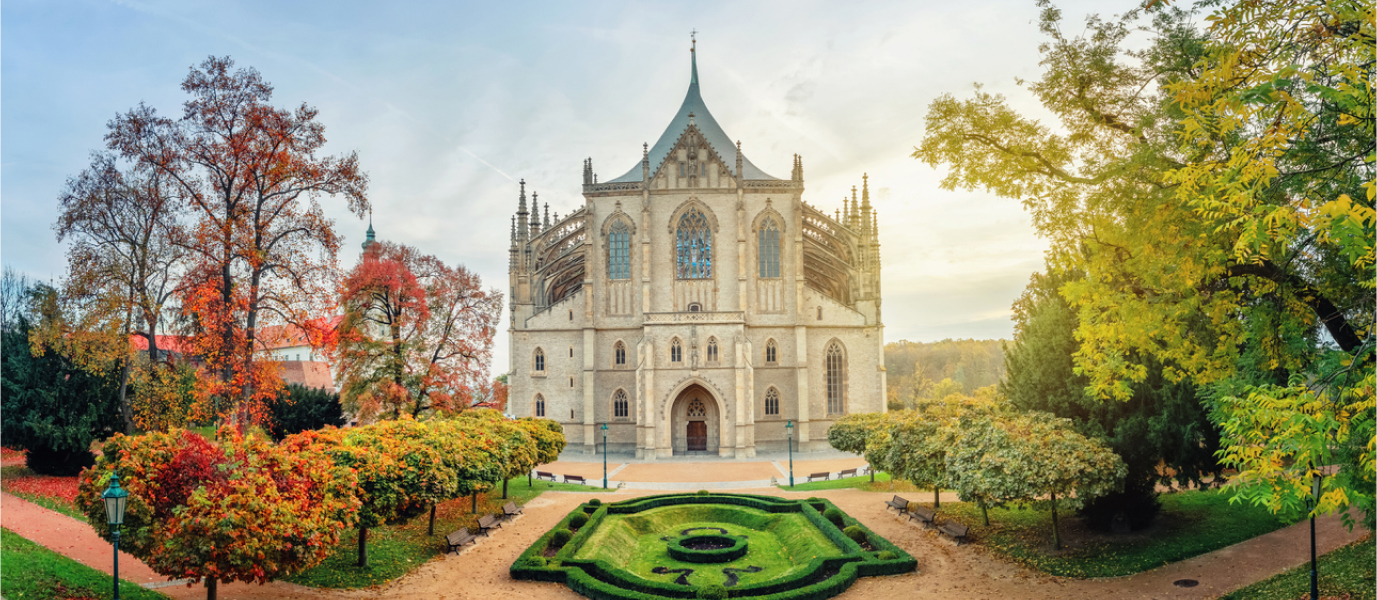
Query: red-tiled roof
{"points": [[166, 343], [313, 374], [273, 337]]}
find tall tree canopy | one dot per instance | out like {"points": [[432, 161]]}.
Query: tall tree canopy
{"points": [[261, 247], [1216, 188]]}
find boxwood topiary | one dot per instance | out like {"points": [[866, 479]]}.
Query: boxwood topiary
{"points": [[887, 555], [856, 534], [578, 520], [834, 515], [702, 492], [595, 502], [560, 538], [712, 591]]}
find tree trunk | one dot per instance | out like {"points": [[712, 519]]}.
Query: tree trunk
{"points": [[475, 502], [1056, 534], [985, 512], [504, 488], [126, 412], [431, 531], [211, 588], [936, 496], [363, 546]]}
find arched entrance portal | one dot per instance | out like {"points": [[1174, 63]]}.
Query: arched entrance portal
{"points": [[694, 422]]}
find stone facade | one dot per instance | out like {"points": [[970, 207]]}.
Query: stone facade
{"points": [[696, 304]]}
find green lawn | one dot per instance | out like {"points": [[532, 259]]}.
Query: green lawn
{"points": [[395, 550], [883, 483], [31, 571], [778, 543], [1191, 523], [1344, 573]]}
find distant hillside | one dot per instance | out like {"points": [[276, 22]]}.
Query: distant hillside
{"points": [[915, 368]]}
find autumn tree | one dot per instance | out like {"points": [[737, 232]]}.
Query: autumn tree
{"points": [[1216, 189], [122, 264], [261, 248], [236, 509], [416, 336]]}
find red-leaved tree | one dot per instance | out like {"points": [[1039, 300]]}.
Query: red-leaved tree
{"points": [[262, 248], [416, 335]]}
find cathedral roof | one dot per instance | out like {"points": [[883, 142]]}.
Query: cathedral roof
{"points": [[702, 119]]}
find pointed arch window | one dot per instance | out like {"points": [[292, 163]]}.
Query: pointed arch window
{"points": [[676, 351], [769, 248], [539, 360], [619, 251], [772, 402], [539, 405], [621, 405], [836, 370], [619, 351], [712, 349], [771, 352], [693, 246]]}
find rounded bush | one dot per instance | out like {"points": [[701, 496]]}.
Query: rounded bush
{"points": [[814, 499], [712, 591], [595, 502], [887, 555], [856, 534], [835, 516], [578, 520], [702, 492], [560, 538]]}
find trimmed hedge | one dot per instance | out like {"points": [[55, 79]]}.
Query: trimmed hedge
{"points": [[821, 578], [736, 550]]}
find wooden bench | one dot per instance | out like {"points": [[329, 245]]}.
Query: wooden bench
{"points": [[846, 473], [510, 509], [898, 503], [924, 514], [459, 538], [487, 522], [573, 478], [823, 476], [957, 531], [544, 475]]}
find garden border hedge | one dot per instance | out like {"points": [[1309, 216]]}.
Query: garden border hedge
{"points": [[598, 580]]}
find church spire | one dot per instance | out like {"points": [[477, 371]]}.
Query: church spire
{"points": [[693, 57], [368, 239]]}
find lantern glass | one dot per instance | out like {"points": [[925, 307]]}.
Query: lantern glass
{"points": [[789, 427], [115, 498]]}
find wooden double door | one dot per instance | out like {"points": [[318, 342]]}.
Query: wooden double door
{"points": [[697, 436]]}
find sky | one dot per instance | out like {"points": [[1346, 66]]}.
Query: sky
{"points": [[449, 104]]}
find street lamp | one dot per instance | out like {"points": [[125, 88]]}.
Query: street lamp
{"points": [[604, 456], [789, 429], [115, 498], [1314, 566]]}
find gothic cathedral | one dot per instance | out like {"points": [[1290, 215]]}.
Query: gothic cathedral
{"points": [[696, 304]]}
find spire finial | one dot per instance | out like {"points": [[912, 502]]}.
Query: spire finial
{"points": [[693, 57], [368, 236]]}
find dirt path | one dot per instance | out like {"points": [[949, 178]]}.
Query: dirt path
{"points": [[480, 571]]}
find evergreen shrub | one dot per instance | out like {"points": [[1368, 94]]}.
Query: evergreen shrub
{"points": [[578, 521], [560, 538], [712, 591], [856, 534], [834, 515]]}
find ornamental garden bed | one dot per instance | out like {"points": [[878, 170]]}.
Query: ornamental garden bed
{"points": [[709, 546]]}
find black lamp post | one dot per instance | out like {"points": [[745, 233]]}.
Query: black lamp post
{"points": [[115, 498], [789, 429], [1314, 566], [604, 456]]}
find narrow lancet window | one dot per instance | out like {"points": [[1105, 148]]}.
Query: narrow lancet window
{"points": [[619, 252], [769, 249], [836, 367]]}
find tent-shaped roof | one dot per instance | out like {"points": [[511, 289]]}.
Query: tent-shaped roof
{"points": [[702, 119]]}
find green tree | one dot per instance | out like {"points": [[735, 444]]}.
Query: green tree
{"points": [[1163, 423], [299, 408], [53, 407]]}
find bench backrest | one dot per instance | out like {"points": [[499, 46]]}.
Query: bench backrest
{"points": [[487, 521], [510, 506], [924, 512], [820, 475], [544, 474], [573, 478], [845, 473], [458, 537], [898, 499], [958, 528]]}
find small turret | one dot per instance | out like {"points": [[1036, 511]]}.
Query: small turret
{"points": [[368, 236], [522, 220], [546, 224], [740, 175], [587, 171], [865, 203], [854, 221], [535, 218]]}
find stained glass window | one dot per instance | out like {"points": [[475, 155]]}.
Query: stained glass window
{"points": [[539, 360], [621, 407], [772, 402], [836, 363], [694, 246], [620, 352], [769, 248], [540, 405], [619, 251]]}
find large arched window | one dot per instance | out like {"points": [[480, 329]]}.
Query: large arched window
{"points": [[539, 360], [621, 406], [619, 352], [836, 370], [772, 401], [676, 351], [619, 251], [712, 349], [771, 352], [769, 248], [693, 244], [539, 405]]}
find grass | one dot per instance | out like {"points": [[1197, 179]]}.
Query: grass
{"points": [[1191, 523], [778, 543], [32, 571], [883, 483], [396, 550], [1346, 572], [49, 492]]}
